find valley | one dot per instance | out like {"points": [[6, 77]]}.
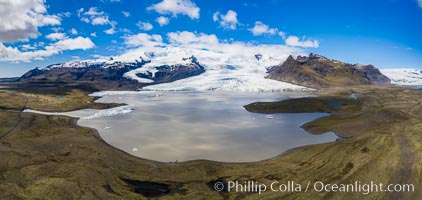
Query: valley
{"points": [[52, 156], [204, 100]]}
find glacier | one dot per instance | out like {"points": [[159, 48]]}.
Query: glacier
{"points": [[226, 70], [229, 65], [403, 76]]}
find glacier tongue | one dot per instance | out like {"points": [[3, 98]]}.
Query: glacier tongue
{"points": [[226, 69], [405, 76]]}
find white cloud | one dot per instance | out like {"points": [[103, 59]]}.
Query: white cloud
{"points": [[86, 20], [76, 58], [94, 34], [49, 20], [27, 47], [420, 3], [227, 21], [19, 20], [145, 26], [176, 7], [112, 29], [294, 41], [12, 54], [102, 20], [56, 36], [162, 21], [126, 14], [96, 17], [93, 16], [189, 38], [282, 35], [73, 31], [204, 42], [143, 39], [93, 11], [261, 29], [73, 44], [79, 12]]}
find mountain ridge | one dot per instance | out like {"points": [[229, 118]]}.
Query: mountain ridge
{"points": [[165, 69], [316, 71], [110, 74]]}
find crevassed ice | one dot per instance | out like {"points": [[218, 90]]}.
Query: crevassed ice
{"points": [[405, 76], [225, 70]]}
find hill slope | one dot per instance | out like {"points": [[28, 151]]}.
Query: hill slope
{"points": [[317, 71]]}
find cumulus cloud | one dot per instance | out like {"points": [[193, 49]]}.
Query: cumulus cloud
{"points": [[143, 39], [100, 20], [145, 26], [176, 7], [209, 42], [162, 21], [204, 42], [48, 20], [294, 41], [188, 38], [96, 18], [27, 47], [73, 44], [110, 31], [56, 36], [227, 21], [261, 29], [13, 54], [93, 16], [20, 19]]}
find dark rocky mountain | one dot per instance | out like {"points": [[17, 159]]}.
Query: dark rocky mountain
{"points": [[110, 75], [318, 71], [169, 73]]}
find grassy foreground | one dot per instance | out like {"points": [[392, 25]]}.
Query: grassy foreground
{"points": [[50, 157]]}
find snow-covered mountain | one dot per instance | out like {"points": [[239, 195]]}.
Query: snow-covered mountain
{"points": [[225, 70], [405, 76], [168, 68]]}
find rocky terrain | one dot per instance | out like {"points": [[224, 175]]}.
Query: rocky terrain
{"points": [[166, 71], [50, 157], [318, 71], [111, 74]]}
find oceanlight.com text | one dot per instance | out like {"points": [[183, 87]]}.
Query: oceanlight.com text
{"points": [[317, 186]]}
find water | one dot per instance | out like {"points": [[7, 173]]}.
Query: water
{"points": [[185, 126], [335, 105]]}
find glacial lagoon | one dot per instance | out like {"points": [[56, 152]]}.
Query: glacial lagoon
{"points": [[183, 126]]}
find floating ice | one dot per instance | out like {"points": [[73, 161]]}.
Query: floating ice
{"points": [[110, 112]]}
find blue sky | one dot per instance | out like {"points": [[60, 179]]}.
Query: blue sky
{"points": [[386, 33]]}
